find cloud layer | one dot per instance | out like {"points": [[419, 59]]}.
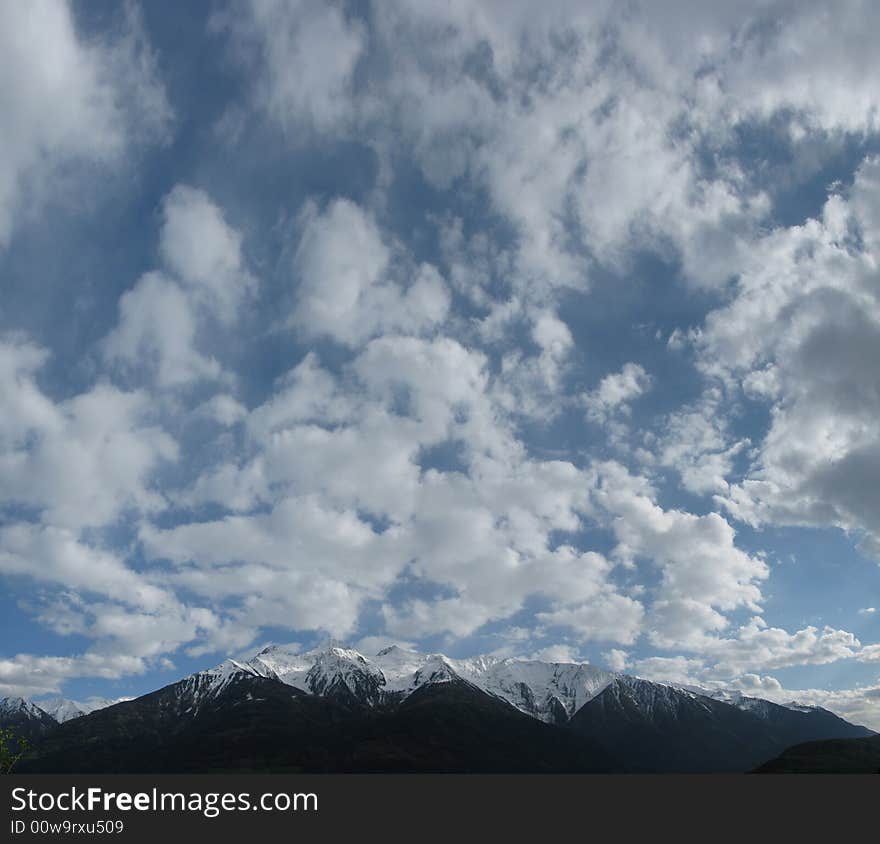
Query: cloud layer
{"points": [[449, 325]]}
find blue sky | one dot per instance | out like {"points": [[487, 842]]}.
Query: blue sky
{"points": [[444, 324]]}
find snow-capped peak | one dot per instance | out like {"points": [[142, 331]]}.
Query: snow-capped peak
{"points": [[221, 675], [20, 706], [549, 691], [197, 688], [756, 705], [343, 671], [405, 670], [61, 709]]}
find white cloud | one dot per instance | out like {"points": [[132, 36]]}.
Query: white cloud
{"points": [[589, 131], [531, 385], [580, 149], [678, 670], [306, 52], [68, 101], [757, 646], [371, 645], [330, 453], [870, 653], [55, 555], [237, 488], [302, 566], [26, 674], [806, 310], [157, 330], [26, 407], [400, 469], [703, 573], [609, 618], [616, 659], [616, 391], [346, 285], [163, 318], [223, 409], [203, 251], [557, 653], [696, 442], [82, 461]]}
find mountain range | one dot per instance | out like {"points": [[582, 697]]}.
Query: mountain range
{"points": [[335, 709]]}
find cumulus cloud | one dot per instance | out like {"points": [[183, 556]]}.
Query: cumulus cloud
{"points": [[758, 646], [327, 459], [306, 53], [616, 659], [702, 571], [71, 101], [203, 251], [870, 653], [223, 409], [678, 670], [26, 674], [157, 330], [56, 555], [551, 133], [615, 392], [162, 317], [404, 453], [697, 443], [557, 653], [611, 618], [82, 461], [806, 310], [347, 288]]}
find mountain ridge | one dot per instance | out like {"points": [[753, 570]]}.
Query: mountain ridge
{"points": [[611, 721]]}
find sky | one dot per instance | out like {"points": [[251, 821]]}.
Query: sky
{"points": [[479, 327]]}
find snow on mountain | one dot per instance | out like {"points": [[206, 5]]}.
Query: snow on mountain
{"points": [[342, 672], [27, 720], [93, 704], [406, 670], [192, 691], [19, 707], [756, 705], [326, 670], [61, 709], [401, 667], [549, 691], [803, 707], [216, 679]]}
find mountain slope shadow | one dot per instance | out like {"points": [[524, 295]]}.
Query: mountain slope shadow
{"points": [[26, 721], [840, 756], [654, 728], [453, 726]]}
